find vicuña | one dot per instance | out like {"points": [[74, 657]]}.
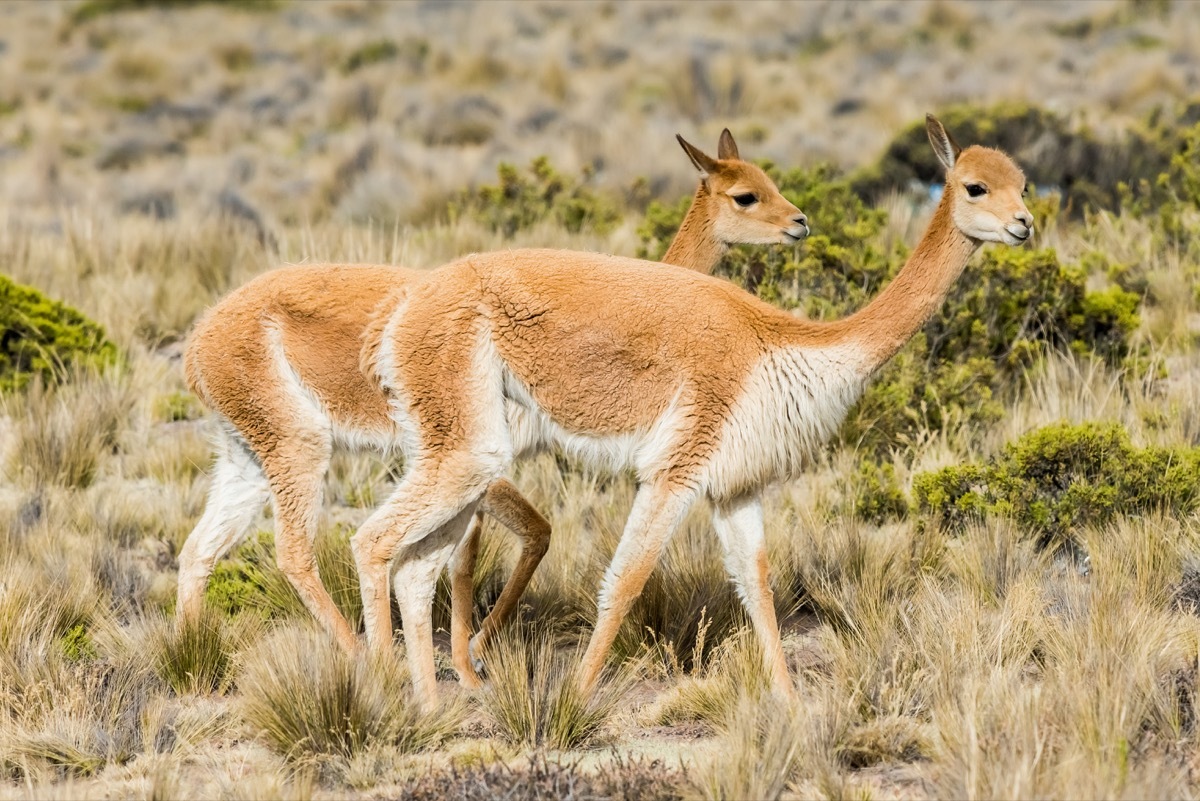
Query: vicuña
{"points": [[701, 388], [279, 361]]}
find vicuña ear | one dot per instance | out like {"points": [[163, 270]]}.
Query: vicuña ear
{"points": [[706, 164], [727, 148], [944, 146]]}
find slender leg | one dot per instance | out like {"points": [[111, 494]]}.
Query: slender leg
{"points": [[657, 512], [416, 581], [505, 503], [739, 526], [236, 495], [296, 470], [462, 585], [429, 499]]}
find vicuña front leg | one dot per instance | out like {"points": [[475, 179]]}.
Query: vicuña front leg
{"points": [[504, 502], [657, 512], [739, 526]]}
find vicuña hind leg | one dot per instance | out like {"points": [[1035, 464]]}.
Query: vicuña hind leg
{"points": [[504, 502], [657, 512], [739, 526], [237, 493], [434, 502], [416, 580], [296, 469]]}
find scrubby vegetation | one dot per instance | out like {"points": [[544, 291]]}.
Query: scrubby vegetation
{"points": [[1063, 479], [987, 585], [43, 338]]}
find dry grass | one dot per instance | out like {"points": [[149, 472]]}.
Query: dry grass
{"points": [[307, 699], [533, 697]]}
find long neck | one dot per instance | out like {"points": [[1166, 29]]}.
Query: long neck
{"points": [[884, 326], [695, 245]]}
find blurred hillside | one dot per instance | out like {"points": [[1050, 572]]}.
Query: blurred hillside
{"points": [[291, 112]]}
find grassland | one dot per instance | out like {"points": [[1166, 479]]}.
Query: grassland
{"points": [[989, 583]]}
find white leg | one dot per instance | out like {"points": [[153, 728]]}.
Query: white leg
{"points": [[657, 512], [739, 525], [427, 501], [416, 581], [236, 495]]}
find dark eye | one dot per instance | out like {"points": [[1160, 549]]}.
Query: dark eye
{"points": [[976, 190], [748, 199], [1025, 190]]}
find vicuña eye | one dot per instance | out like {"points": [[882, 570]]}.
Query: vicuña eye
{"points": [[976, 190], [1025, 190], [747, 199]]}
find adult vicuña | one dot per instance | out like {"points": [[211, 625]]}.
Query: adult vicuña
{"points": [[699, 386], [278, 359], [735, 202]]}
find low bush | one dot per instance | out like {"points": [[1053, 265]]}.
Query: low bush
{"points": [[41, 337], [523, 198], [249, 581], [1057, 480]]}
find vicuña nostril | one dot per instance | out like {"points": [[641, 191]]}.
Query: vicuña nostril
{"points": [[801, 219]]}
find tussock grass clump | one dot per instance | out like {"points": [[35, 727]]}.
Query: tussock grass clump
{"points": [[711, 693], [195, 654], [67, 433], [308, 699], [533, 695], [759, 754]]}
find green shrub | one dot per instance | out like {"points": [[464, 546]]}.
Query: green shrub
{"points": [[1011, 307], [91, 9], [46, 338], [873, 494], [522, 199], [1061, 478], [371, 53]]}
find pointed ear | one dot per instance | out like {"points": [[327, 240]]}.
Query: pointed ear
{"points": [[944, 146], [704, 163], [727, 148]]}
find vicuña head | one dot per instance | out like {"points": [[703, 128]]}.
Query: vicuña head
{"points": [[985, 187], [736, 202]]}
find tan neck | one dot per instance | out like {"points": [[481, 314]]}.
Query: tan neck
{"points": [[907, 303], [695, 245]]}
